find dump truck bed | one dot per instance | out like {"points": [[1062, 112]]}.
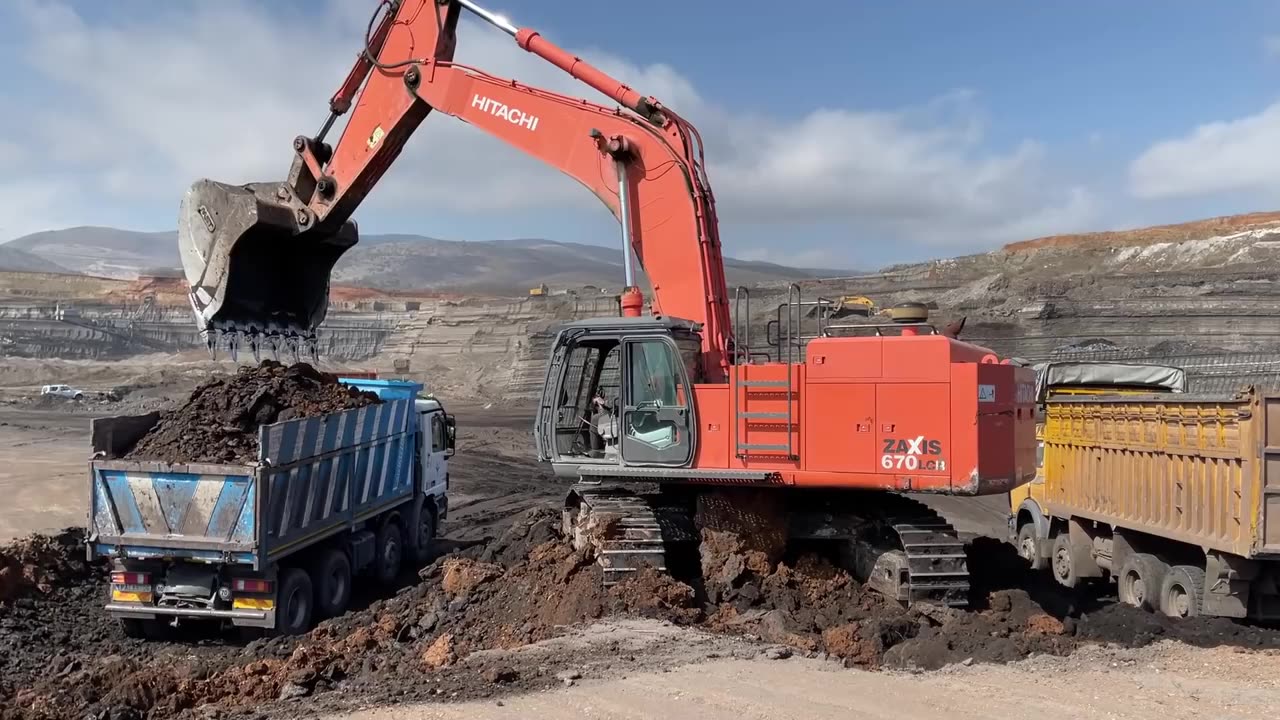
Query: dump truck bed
{"points": [[314, 477], [1198, 468]]}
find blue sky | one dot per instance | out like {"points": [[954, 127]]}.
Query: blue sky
{"points": [[841, 134]]}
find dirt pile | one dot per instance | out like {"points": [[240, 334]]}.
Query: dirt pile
{"points": [[219, 422], [41, 563], [434, 638], [468, 628]]}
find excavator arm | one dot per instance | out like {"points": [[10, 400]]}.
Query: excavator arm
{"points": [[258, 257]]}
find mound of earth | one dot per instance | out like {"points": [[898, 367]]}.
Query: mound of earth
{"points": [[219, 422], [460, 632], [41, 563]]}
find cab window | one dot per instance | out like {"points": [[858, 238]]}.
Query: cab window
{"points": [[438, 441], [653, 375]]}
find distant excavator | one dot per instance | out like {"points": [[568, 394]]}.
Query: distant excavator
{"points": [[669, 422]]}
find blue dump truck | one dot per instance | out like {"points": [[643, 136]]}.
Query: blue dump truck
{"points": [[275, 544]]}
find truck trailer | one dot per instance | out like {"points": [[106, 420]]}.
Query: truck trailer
{"points": [[275, 544], [1168, 495]]}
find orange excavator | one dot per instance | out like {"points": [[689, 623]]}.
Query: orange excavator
{"points": [[669, 425]]}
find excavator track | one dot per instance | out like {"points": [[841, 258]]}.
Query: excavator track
{"points": [[628, 531], [936, 563], [899, 546]]}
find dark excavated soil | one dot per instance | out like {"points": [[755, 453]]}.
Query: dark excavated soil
{"points": [[219, 422], [442, 636]]}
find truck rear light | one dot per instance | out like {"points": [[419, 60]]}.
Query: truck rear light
{"points": [[130, 578], [250, 585]]}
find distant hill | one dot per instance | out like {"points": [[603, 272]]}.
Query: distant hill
{"points": [[102, 251], [18, 260], [1225, 226], [389, 262], [503, 265]]}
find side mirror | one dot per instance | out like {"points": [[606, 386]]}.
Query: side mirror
{"points": [[450, 433]]}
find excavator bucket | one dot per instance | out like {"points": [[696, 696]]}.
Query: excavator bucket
{"points": [[257, 270]]}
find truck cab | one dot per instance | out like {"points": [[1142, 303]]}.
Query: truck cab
{"points": [[1028, 513], [437, 437]]}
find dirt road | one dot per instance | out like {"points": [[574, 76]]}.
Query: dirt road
{"points": [[43, 460], [1164, 682]]}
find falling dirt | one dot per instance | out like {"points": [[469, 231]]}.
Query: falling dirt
{"points": [[219, 422], [456, 631]]}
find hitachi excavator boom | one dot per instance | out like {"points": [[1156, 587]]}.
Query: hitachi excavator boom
{"points": [[258, 258]]}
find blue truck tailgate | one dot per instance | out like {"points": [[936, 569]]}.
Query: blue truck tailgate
{"points": [[314, 477]]}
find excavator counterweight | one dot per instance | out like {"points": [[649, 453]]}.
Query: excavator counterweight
{"points": [[256, 263]]}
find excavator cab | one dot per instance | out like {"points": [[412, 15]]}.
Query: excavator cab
{"points": [[618, 393], [257, 263]]}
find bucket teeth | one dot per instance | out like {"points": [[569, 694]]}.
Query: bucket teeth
{"points": [[280, 342]]}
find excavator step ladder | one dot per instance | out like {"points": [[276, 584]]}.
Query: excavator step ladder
{"points": [[764, 432], [764, 396]]}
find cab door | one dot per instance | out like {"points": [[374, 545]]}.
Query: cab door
{"points": [[435, 449], [657, 414]]}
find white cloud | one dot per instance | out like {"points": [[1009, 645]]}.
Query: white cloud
{"points": [[143, 105], [1235, 155]]}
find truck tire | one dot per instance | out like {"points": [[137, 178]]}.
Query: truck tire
{"points": [[423, 545], [1182, 592], [1029, 543], [388, 553], [333, 583], [295, 605], [1060, 562], [1139, 581]]}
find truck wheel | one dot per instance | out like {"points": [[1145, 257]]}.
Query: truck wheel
{"points": [[1064, 570], [296, 603], [1182, 592], [333, 583], [423, 545], [390, 553], [1140, 579], [1029, 546]]}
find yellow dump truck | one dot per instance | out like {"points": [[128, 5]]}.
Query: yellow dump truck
{"points": [[1166, 494]]}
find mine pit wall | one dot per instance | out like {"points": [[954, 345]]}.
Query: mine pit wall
{"points": [[491, 350], [72, 330], [1221, 323], [488, 350]]}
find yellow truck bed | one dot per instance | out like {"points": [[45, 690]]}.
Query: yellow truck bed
{"points": [[1180, 466]]}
